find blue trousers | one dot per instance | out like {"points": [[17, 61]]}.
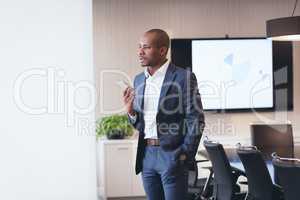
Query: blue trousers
{"points": [[164, 177]]}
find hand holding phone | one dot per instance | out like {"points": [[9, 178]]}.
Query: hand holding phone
{"points": [[128, 96]]}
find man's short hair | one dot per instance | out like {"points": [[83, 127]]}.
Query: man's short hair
{"points": [[162, 39]]}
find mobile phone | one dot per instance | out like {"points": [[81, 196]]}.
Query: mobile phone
{"points": [[124, 84]]}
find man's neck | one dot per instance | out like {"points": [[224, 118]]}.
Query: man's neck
{"points": [[153, 69]]}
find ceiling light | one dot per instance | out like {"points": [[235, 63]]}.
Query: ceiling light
{"points": [[284, 29]]}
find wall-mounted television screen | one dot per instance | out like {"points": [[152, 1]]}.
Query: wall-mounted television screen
{"points": [[238, 74]]}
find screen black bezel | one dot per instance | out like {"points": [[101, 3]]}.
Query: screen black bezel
{"points": [[187, 42]]}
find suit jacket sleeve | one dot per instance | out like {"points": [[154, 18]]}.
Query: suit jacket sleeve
{"points": [[194, 117]]}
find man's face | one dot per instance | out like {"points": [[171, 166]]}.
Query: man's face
{"points": [[148, 52]]}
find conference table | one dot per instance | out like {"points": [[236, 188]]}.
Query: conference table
{"points": [[236, 163]]}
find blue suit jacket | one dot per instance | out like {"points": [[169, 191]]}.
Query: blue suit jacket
{"points": [[180, 118]]}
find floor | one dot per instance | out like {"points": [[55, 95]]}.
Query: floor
{"points": [[129, 198]]}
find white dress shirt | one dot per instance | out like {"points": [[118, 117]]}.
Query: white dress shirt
{"points": [[151, 97]]}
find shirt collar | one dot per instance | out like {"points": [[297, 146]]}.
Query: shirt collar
{"points": [[161, 71]]}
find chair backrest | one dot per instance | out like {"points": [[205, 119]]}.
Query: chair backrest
{"points": [[270, 138], [260, 184], [223, 178], [288, 172]]}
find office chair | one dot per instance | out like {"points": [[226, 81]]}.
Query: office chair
{"points": [[260, 186], [199, 188], [225, 187], [288, 172], [269, 138]]}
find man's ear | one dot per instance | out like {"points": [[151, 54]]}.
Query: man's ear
{"points": [[163, 51]]}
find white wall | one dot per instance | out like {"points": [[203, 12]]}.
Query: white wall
{"points": [[119, 24], [47, 149]]}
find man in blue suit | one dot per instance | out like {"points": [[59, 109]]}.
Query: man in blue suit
{"points": [[165, 107]]}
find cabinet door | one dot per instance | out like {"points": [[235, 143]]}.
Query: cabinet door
{"points": [[118, 165], [137, 183]]}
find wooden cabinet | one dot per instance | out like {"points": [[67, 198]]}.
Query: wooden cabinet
{"points": [[116, 169]]}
